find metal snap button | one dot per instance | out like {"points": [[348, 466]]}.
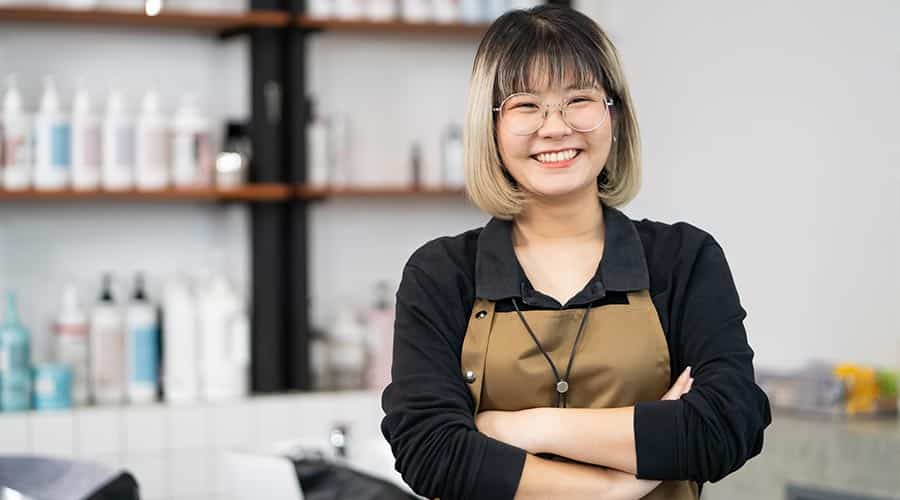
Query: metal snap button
{"points": [[470, 376], [480, 314]]}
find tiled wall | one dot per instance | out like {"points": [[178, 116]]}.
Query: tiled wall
{"points": [[175, 452]]}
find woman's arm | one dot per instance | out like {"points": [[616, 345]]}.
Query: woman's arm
{"points": [[602, 436], [547, 479]]}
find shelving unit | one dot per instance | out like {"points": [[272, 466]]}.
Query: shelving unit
{"points": [[312, 25], [278, 198], [223, 23], [252, 193], [316, 193]]}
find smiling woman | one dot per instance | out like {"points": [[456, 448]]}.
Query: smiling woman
{"points": [[564, 350]]}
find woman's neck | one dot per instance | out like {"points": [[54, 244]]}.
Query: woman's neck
{"points": [[572, 221]]}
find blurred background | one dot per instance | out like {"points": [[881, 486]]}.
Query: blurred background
{"points": [[205, 207]]}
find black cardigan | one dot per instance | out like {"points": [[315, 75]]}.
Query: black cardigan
{"points": [[710, 432]]}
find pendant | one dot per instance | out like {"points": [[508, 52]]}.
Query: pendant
{"points": [[562, 387]]}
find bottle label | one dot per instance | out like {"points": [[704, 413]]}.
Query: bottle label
{"points": [[124, 150], [15, 148], [60, 145], [14, 358], [90, 139], [145, 354], [155, 151]]}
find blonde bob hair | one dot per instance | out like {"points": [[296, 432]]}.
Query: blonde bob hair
{"points": [[561, 46]]}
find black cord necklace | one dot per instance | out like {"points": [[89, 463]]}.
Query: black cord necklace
{"points": [[562, 384]]}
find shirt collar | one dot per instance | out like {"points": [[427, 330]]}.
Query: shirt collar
{"points": [[623, 267]]}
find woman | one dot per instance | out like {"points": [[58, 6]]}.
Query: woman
{"points": [[565, 350]]}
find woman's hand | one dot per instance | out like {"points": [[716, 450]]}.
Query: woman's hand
{"points": [[681, 386]]}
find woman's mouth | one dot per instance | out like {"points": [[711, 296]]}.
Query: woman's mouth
{"points": [[557, 159]]}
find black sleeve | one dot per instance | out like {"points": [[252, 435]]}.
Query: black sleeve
{"points": [[715, 428], [429, 419]]}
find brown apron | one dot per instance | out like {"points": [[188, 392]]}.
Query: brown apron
{"points": [[622, 358]]}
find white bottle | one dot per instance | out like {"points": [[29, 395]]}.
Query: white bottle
{"points": [[452, 161], [381, 338], [416, 11], [348, 345], [142, 346], [53, 138], [446, 11], [117, 170], [16, 158], [225, 341], [382, 10], [107, 346], [180, 373], [318, 152], [85, 143], [153, 146], [71, 330], [192, 161], [320, 9]]}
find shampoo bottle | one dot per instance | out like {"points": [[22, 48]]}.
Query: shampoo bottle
{"points": [[53, 138], [16, 147], [15, 361], [85, 143], [142, 346], [107, 346]]}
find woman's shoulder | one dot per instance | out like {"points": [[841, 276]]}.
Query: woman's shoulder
{"points": [[446, 255], [672, 247]]}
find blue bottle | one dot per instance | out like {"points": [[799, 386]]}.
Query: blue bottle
{"points": [[52, 386], [15, 361]]}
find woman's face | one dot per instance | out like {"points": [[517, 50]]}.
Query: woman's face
{"points": [[546, 176]]}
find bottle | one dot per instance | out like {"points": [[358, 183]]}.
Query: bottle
{"points": [[452, 158], [53, 142], [471, 11], [416, 11], [381, 338], [225, 341], [15, 162], [446, 11], [180, 374], [192, 160], [318, 151], [15, 361], [415, 163], [71, 331], [347, 349], [320, 9], [52, 386], [85, 143], [107, 349], [382, 10], [153, 146], [233, 163], [117, 169], [142, 346]]}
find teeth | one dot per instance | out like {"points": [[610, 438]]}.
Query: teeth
{"points": [[557, 157]]}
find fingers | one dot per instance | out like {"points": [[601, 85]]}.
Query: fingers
{"points": [[681, 386]]}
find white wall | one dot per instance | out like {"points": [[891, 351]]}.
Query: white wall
{"points": [[773, 125]]}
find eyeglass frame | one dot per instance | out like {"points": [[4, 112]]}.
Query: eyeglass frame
{"points": [[562, 106]]}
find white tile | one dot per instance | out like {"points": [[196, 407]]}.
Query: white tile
{"points": [[189, 427], [14, 433], [191, 473], [151, 472], [278, 421], [112, 461], [220, 482], [234, 425], [98, 431], [52, 433], [145, 429]]}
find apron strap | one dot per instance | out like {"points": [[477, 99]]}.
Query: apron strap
{"points": [[475, 345]]}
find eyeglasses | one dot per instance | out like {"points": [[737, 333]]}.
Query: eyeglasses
{"points": [[523, 113]]}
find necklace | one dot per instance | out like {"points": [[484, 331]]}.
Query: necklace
{"points": [[562, 383]]}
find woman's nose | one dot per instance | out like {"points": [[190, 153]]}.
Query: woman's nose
{"points": [[554, 125]]}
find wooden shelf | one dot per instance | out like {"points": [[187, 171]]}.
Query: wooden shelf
{"points": [[390, 27], [224, 23], [314, 193], [256, 192]]}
